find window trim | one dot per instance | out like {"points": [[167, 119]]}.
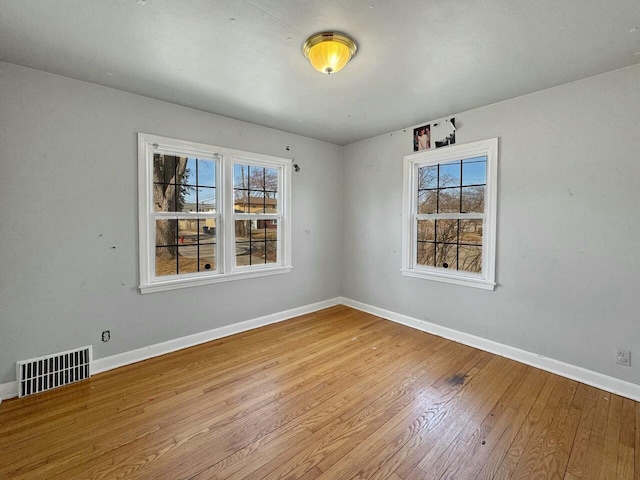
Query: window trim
{"points": [[484, 280], [225, 246]]}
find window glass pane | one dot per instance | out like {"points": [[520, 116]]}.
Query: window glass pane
{"points": [[240, 176], [426, 254], [271, 202], [188, 259], [187, 231], [473, 199], [449, 200], [426, 231], [207, 258], [164, 168], [243, 242], [206, 200], [470, 259], [474, 171], [169, 172], [427, 201], [166, 232], [256, 241], [166, 261], [240, 201], [471, 232], [263, 204], [206, 173], [271, 180], [447, 231], [449, 175], [256, 178], [164, 197], [428, 177], [271, 251], [187, 198], [256, 204], [189, 177], [258, 253], [446, 256], [207, 230]]}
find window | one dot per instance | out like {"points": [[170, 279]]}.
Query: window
{"points": [[210, 214], [449, 214]]}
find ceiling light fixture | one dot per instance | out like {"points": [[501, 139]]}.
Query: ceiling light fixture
{"points": [[329, 52]]}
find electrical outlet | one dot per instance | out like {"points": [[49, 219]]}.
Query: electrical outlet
{"points": [[623, 357], [106, 335]]}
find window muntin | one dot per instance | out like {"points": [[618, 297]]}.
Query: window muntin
{"points": [[449, 214], [189, 193]]}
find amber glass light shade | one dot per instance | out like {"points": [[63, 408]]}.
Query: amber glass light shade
{"points": [[329, 52]]}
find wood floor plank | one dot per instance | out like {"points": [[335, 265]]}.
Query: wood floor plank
{"points": [[378, 395], [518, 445], [426, 414], [325, 414], [474, 449], [558, 457], [335, 394], [143, 389], [483, 389], [484, 467], [176, 415], [578, 455], [191, 443], [226, 435], [387, 469], [554, 450], [470, 438], [555, 411], [612, 438], [596, 450], [626, 449]]}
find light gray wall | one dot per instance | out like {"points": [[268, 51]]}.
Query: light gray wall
{"points": [[68, 210], [568, 262], [568, 265]]}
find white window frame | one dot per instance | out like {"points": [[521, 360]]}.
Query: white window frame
{"points": [[225, 216], [410, 216]]}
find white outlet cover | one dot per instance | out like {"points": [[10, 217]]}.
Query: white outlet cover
{"points": [[623, 357]]}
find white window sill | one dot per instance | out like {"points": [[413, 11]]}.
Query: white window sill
{"points": [[162, 286], [451, 278]]}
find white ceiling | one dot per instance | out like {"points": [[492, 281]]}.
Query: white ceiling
{"points": [[417, 60]]}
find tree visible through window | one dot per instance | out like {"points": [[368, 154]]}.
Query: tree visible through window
{"points": [[451, 188], [449, 214], [255, 192], [197, 227], [184, 185]]}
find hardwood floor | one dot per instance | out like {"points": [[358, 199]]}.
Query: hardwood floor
{"points": [[337, 394]]}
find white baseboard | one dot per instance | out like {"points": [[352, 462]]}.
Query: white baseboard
{"points": [[133, 356], [589, 377], [10, 389]]}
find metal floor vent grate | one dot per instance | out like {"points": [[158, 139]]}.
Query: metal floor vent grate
{"points": [[44, 373]]}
